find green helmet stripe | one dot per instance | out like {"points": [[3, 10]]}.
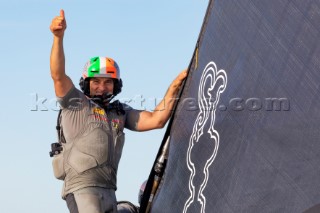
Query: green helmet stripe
{"points": [[94, 67]]}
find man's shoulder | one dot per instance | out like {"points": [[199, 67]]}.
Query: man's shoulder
{"points": [[122, 105], [73, 99], [117, 107]]}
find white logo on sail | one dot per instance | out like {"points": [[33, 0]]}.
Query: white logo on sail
{"points": [[212, 84]]}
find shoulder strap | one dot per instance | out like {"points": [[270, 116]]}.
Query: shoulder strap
{"points": [[59, 129], [56, 148]]}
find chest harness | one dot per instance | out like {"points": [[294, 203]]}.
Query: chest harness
{"points": [[56, 148]]}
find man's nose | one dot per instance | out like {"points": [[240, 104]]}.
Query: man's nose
{"points": [[102, 87]]}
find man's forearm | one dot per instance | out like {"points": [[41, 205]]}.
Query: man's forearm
{"points": [[57, 59], [163, 110]]}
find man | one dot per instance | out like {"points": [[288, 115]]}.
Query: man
{"points": [[93, 127]]}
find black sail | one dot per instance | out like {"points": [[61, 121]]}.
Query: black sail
{"points": [[245, 135]]}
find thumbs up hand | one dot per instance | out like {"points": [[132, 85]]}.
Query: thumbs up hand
{"points": [[58, 25]]}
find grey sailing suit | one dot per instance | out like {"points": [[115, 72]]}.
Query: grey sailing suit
{"points": [[94, 142]]}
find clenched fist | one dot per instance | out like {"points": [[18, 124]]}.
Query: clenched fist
{"points": [[58, 25]]}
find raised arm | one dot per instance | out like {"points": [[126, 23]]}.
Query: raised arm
{"points": [[159, 117], [62, 83]]}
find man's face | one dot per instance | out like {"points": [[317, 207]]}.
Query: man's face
{"points": [[100, 85]]}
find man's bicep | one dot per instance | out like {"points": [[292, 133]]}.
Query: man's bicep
{"points": [[62, 86], [147, 121]]}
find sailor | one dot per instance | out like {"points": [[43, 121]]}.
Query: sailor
{"points": [[93, 126]]}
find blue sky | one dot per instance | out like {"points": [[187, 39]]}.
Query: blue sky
{"points": [[152, 41]]}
